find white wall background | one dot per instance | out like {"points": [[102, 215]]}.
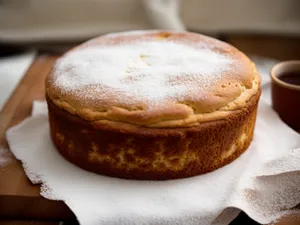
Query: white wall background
{"points": [[30, 20]]}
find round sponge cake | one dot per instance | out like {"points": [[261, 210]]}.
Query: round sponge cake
{"points": [[152, 104]]}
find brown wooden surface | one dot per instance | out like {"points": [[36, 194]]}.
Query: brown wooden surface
{"points": [[289, 219], [278, 47], [27, 222], [19, 199]]}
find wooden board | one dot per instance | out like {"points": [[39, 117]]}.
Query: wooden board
{"points": [[19, 199], [27, 222]]}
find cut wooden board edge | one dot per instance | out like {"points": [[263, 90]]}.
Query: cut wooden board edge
{"points": [[36, 208], [29, 222]]}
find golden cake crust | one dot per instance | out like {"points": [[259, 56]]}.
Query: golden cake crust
{"points": [[135, 152], [236, 84], [182, 135]]}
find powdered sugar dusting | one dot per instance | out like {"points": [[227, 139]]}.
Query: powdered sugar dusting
{"points": [[5, 157], [151, 71], [34, 177], [48, 192]]}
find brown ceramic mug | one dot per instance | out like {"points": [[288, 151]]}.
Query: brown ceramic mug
{"points": [[285, 78]]}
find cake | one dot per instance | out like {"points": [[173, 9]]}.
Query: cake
{"points": [[152, 105]]}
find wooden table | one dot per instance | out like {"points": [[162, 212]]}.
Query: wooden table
{"points": [[19, 199]]}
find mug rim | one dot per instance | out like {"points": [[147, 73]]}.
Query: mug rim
{"points": [[280, 82]]}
